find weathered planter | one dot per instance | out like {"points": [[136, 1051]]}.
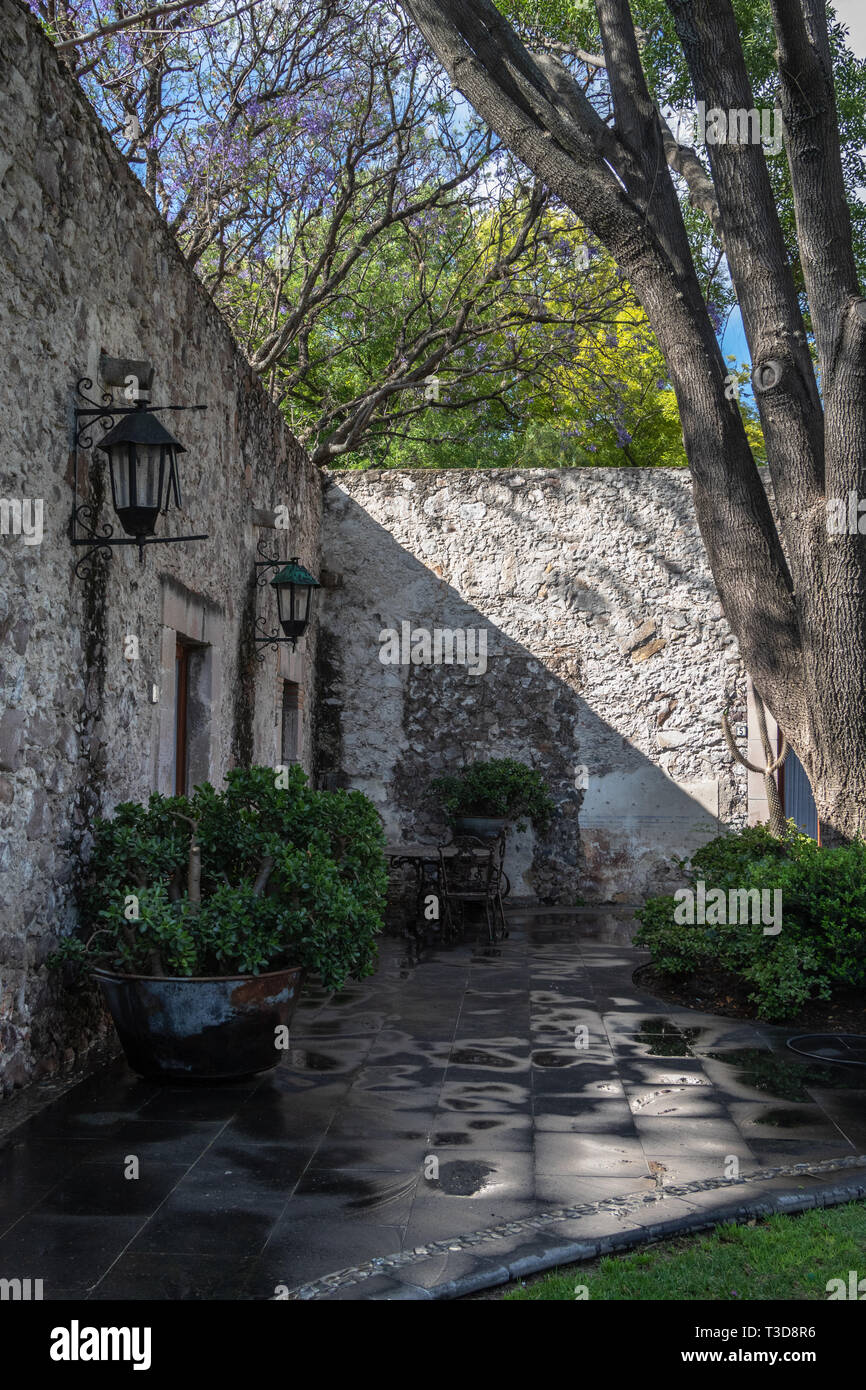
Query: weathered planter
{"points": [[485, 827], [200, 1028]]}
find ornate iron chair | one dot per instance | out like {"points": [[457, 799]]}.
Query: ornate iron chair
{"points": [[472, 872]]}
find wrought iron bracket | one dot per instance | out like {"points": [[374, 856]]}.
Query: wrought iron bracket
{"points": [[268, 639], [84, 525]]}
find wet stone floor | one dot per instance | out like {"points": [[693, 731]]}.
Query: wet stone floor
{"points": [[460, 1087]]}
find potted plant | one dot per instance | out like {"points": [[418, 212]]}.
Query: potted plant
{"points": [[484, 797], [202, 914]]}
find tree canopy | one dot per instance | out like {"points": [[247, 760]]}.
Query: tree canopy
{"points": [[408, 294]]}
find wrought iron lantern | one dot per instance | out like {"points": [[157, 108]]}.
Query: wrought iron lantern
{"points": [[142, 460], [143, 471], [293, 586]]}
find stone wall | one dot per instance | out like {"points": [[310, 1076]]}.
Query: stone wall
{"points": [[89, 269], [609, 662]]}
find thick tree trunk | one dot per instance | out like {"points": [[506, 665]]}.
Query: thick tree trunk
{"points": [[794, 594]]}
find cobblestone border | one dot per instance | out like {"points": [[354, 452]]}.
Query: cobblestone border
{"points": [[630, 1202]]}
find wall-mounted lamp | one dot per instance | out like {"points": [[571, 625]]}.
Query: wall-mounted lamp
{"points": [[294, 587], [142, 462]]}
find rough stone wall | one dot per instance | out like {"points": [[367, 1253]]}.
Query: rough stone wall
{"points": [[88, 267], [609, 661]]}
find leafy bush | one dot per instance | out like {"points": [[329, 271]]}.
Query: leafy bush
{"points": [[502, 787], [283, 876], [822, 942]]}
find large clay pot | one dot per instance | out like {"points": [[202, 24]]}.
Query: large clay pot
{"points": [[200, 1028]]}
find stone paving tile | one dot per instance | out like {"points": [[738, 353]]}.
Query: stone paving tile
{"points": [[677, 1168], [102, 1189], [659, 1071], [706, 1138], [567, 1190], [396, 1113], [598, 1155], [460, 1054], [31, 1170], [433, 1217], [302, 1248], [419, 1076], [184, 1103], [481, 1095], [476, 1132], [394, 1047], [193, 1277], [847, 1110], [785, 1120], [269, 1166], [208, 1215], [606, 1114], [770, 1153], [340, 1196], [155, 1141], [560, 1074], [307, 1030], [374, 1155], [734, 1082], [65, 1251], [685, 1102]]}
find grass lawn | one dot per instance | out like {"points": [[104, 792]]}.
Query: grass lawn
{"points": [[788, 1257]]}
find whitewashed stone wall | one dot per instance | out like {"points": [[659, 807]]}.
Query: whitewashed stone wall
{"points": [[607, 652], [88, 267]]}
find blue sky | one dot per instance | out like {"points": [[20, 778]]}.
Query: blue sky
{"points": [[852, 13]]}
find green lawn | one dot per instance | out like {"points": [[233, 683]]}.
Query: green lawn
{"points": [[789, 1257]]}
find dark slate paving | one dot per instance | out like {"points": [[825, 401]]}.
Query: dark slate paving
{"points": [[467, 1115]]}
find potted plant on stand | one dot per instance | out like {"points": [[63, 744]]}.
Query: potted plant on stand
{"points": [[202, 914], [483, 798]]}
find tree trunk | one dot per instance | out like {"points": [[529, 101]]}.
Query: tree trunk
{"points": [[793, 593]]}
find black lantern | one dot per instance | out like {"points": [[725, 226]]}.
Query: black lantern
{"points": [[142, 464], [142, 459], [294, 587]]}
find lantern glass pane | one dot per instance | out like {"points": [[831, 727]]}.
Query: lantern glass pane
{"points": [[149, 474], [284, 602], [122, 460], [138, 476]]}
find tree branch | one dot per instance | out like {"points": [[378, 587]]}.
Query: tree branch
{"points": [[128, 23]]}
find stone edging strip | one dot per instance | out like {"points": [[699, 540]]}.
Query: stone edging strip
{"points": [[589, 1248]]}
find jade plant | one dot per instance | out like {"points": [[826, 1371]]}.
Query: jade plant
{"points": [[501, 788], [255, 877]]}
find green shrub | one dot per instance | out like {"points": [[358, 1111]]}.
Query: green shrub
{"points": [[501, 787], [288, 876], [822, 942]]}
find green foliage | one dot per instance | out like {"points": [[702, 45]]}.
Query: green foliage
{"points": [[573, 24], [822, 942], [289, 876], [501, 787]]}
